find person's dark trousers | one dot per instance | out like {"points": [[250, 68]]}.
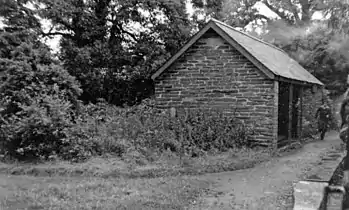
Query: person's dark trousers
{"points": [[322, 133], [322, 130]]}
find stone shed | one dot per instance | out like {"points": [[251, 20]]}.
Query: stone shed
{"points": [[221, 67]]}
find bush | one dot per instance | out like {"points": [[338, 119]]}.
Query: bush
{"points": [[212, 129], [21, 83], [38, 103], [106, 129], [37, 130], [96, 131]]}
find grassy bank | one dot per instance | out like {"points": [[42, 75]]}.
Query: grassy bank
{"points": [[135, 166], [97, 193]]}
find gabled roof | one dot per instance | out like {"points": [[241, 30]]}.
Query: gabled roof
{"points": [[274, 62]]}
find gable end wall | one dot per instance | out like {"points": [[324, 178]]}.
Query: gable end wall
{"points": [[212, 74]]}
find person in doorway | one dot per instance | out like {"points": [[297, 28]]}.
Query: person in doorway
{"points": [[323, 115]]}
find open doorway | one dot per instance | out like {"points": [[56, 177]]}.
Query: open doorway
{"points": [[288, 120], [296, 106], [283, 113]]}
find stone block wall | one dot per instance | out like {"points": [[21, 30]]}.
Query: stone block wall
{"points": [[212, 74]]}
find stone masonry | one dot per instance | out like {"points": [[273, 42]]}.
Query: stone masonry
{"points": [[212, 74]]}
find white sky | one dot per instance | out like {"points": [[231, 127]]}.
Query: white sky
{"points": [[54, 43]]}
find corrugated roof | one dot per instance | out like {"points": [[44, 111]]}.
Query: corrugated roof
{"points": [[275, 59]]}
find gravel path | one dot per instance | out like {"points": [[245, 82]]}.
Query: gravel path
{"points": [[269, 185]]}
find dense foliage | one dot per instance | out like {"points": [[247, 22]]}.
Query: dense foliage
{"points": [[105, 129], [102, 49], [38, 98]]}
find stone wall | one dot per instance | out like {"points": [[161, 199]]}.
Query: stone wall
{"points": [[212, 74]]}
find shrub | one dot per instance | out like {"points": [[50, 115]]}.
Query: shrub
{"points": [[38, 103], [105, 129], [96, 131], [36, 131], [214, 130], [22, 82]]}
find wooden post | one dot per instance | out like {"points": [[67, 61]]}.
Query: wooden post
{"points": [[276, 115], [290, 111]]}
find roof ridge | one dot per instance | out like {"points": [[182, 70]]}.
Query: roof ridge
{"points": [[246, 34]]}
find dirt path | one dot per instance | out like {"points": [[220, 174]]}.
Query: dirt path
{"points": [[267, 186]]}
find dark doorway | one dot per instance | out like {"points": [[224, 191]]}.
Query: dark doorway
{"points": [[283, 113], [288, 124], [295, 112]]}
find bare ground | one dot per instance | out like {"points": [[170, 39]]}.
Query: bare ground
{"points": [[269, 185]]}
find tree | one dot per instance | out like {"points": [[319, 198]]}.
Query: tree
{"points": [[38, 98], [112, 46], [17, 15], [205, 9], [338, 11], [240, 13]]}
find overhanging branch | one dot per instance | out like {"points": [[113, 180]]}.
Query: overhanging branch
{"points": [[130, 34], [56, 33], [294, 10], [282, 15], [260, 16]]}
